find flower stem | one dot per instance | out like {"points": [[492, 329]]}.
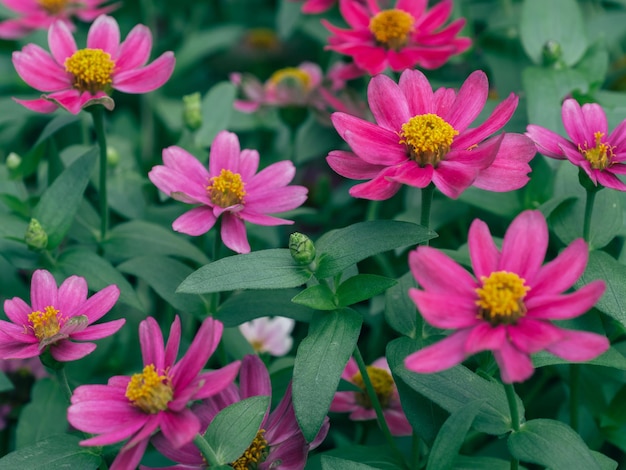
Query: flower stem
{"points": [[206, 450], [97, 113], [511, 398], [427, 200], [591, 197]]}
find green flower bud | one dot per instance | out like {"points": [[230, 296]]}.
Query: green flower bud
{"points": [[302, 248], [113, 156], [36, 237], [192, 111], [13, 161], [552, 53]]}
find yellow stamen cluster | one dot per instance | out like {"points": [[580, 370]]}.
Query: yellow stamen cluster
{"points": [[45, 324], [291, 76], [227, 189], [91, 68], [600, 156], [53, 7], [428, 138], [500, 299], [150, 391], [381, 381], [392, 28], [255, 453]]}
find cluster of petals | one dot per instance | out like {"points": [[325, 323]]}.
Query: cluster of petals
{"points": [[269, 335], [74, 78], [285, 445], [602, 155], [40, 14], [248, 195], [107, 410], [359, 406], [399, 38], [56, 319], [449, 298], [472, 157]]}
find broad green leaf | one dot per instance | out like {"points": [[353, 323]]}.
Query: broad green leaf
{"points": [[611, 358], [334, 463], [204, 43], [52, 453], [235, 344], [361, 287], [463, 462], [266, 269], [248, 305], [604, 462], [287, 18], [320, 360], [56, 124], [551, 444], [615, 414], [380, 457], [318, 297], [400, 311], [341, 248], [12, 227], [59, 203], [44, 416], [217, 106], [233, 429]]}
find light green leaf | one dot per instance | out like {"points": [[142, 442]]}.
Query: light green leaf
{"points": [[287, 18], [44, 416], [318, 297], [248, 305], [361, 287], [217, 107]]}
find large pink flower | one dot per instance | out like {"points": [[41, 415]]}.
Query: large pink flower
{"points": [[592, 148], [359, 405], [40, 14], [508, 305], [399, 37], [56, 316], [135, 407], [423, 137], [230, 188], [75, 78]]}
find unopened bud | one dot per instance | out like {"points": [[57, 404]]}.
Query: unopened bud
{"points": [[192, 111], [36, 237], [302, 248], [552, 53], [113, 156], [13, 161]]}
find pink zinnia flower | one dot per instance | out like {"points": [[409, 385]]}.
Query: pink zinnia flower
{"points": [[271, 335], [135, 407], [56, 316], [40, 14], [230, 188], [75, 78], [423, 137], [316, 6], [359, 405], [508, 305], [592, 148], [399, 37]]}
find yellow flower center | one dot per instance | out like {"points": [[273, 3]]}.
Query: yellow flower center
{"points": [[382, 383], [91, 69], [391, 28], [291, 77], [600, 156], [262, 38], [227, 189], [53, 6], [46, 324], [500, 299], [254, 454], [150, 391], [428, 138]]}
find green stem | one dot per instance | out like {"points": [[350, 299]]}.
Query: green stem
{"points": [[415, 446], [97, 113], [63, 382], [206, 450], [55, 165], [427, 200], [591, 197], [511, 398]]}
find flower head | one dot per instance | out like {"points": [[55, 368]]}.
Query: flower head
{"points": [[135, 407], [399, 37], [359, 405], [74, 78], [230, 188], [508, 305], [56, 318], [272, 335], [423, 137], [601, 155]]}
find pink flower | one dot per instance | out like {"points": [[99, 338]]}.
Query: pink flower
{"points": [[272, 335], [75, 78], [316, 6], [230, 188], [40, 14], [399, 37], [600, 154], [359, 405], [423, 137], [55, 317], [508, 305], [135, 407]]}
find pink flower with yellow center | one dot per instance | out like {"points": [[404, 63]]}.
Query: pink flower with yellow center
{"points": [[56, 318], [74, 78], [231, 189], [135, 407], [507, 307], [602, 155], [40, 14], [359, 404], [421, 136], [400, 37]]}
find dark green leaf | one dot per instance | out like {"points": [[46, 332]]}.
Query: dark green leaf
{"points": [[206, 42], [611, 358], [56, 124], [44, 416], [380, 457], [217, 106], [318, 297], [504, 204], [362, 287], [400, 311], [334, 463], [12, 227], [5, 383], [248, 305], [463, 462], [287, 18]]}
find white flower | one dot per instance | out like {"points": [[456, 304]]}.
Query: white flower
{"points": [[272, 335]]}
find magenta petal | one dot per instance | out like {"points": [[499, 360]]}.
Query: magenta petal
{"points": [[178, 159], [173, 342], [135, 49], [525, 244], [39, 70], [348, 165], [387, 103], [17, 310], [548, 143], [11, 349], [234, 233], [577, 346], [151, 341], [443, 355], [217, 380], [378, 189], [438, 273], [398, 423], [276, 175], [99, 331], [562, 307], [148, 78], [445, 310], [61, 42], [180, 428], [254, 379], [469, 101], [483, 251], [130, 458], [577, 127], [452, 178], [562, 272], [100, 303], [43, 290], [412, 174], [195, 222], [484, 337], [417, 92], [72, 294], [531, 336], [65, 350], [104, 34], [224, 154], [515, 366], [39, 105], [343, 402]]}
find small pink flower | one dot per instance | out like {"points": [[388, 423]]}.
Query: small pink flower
{"points": [[508, 305], [271, 335], [230, 188], [75, 78], [316, 6], [600, 154], [55, 317], [135, 407], [40, 14], [400, 37], [423, 137], [359, 405]]}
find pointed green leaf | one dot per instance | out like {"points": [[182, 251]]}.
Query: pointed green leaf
{"points": [[376, 456], [248, 305], [400, 311], [318, 297], [203, 43], [362, 287], [52, 453], [217, 106]]}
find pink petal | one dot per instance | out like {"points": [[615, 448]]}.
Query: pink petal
{"points": [[378, 189], [225, 153], [195, 222], [151, 340], [234, 234], [343, 402], [99, 331], [148, 78], [135, 49], [72, 294], [398, 423], [276, 175], [562, 272], [11, 349], [254, 379], [525, 244], [484, 337], [548, 143], [43, 290], [180, 428], [217, 380], [348, 165], [564, 306], [412, 174], [276, 200], [387, 103], [100, 303], [248, 164], [130, 458], [38, 69], [443, 355], [17, 310], [496, 121], [181, 186], [469, 101], [575, 124], [38, 105], [483, 251], [579, 346], [417, 92], [186, 164], [64, 350], [61, 42], [173, 343], [438, 273], [104, 33], [445, 310], [452, 178], [531, 336], [515, 366]]}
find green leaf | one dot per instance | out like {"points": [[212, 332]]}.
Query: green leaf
{"points": [[380, 457], [217, 107], [463, 462], [318, 297], [320, 360], [266, 269], [59, 203], [503, 204], [313, 139], [56, 124], [5, 384], [12, 227], [334, 463], [204, 43], [233, 429], [611, 358], [551, 444], [604, 462], [341, 248], [362, 287], [287, 18], [248, 305], [400, 311]]}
